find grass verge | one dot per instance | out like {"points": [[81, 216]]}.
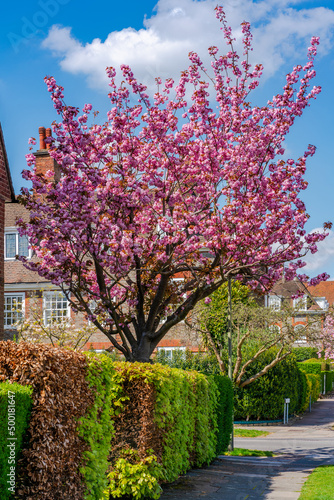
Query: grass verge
{"points": [[249, 433], [319, 485], [243, 452]]}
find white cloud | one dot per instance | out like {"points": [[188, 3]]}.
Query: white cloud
{"points": [[160, 48], [321, 261]]}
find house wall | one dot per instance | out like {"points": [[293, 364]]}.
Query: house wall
{"points": [[6, 193]]}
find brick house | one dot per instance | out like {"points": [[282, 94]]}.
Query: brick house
{"points": [[22, 286], [6, 194], [312, 302]]}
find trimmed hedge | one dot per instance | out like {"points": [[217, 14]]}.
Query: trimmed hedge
{"points": [[224, 412], [15, 407], [316, 368], [327, 381], [315, 386], [208, 365], [96, 426], [68, 439], [263, 399], [100, 428]]}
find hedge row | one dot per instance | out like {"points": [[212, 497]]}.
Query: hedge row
{"points": [[15, 406], [70, 429], [325, 377], [99, 428], [172, 417]]}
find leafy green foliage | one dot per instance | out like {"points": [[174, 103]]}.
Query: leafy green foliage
{"points": [[135, 477], [184, 416], [187, 360], [96, 427], [214, 315], [207, 364], [304, 353], [326, 381], [264, 398], [15, 407], [315, 386]]}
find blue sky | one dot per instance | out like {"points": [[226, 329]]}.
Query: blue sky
{"points": [[74, 41]]}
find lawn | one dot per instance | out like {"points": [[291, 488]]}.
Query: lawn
{"points": [[249, 433], [319, 485], [243, 452]]}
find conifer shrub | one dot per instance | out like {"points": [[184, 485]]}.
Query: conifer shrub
{"points": [[15, 407], [315, 386], [264, 398]]}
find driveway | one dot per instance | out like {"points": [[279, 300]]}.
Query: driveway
{"points": [[303, 444]]}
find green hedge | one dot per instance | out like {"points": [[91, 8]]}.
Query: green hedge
{"points": [[187, 408], [315, 386], [326, 381], [224, 412], [96, 427], [304, 353], [263, 399], [208, 365], [316, 369], [15, 407]]}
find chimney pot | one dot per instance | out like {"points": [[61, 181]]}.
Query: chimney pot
{"points": [[48, 134], [41, 132]]}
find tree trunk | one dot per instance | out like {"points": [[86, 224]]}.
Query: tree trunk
{"points": [[143, 351]]}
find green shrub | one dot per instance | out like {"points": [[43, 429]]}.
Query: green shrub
{"points": [[315, 386], [134, 477], [305, 392], [15, 407], [187, 360], [326, 381], [263, 399], [176, 412], [224, 412], [96, 427], [207, 364], [304, 353]]}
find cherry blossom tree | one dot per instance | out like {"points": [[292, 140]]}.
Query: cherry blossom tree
{"points": [[159, 205], [326, 340]]}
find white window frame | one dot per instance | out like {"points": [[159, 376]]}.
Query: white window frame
{"points": [[14, 231], [300, 303], [169, 350], [303, 338], [13, 296], [50, 295], [275, 302]]}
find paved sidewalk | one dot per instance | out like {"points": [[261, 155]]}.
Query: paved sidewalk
{"points": [[304, 444]]}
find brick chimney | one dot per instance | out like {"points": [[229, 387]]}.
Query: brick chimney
{"points": [[44, 162]]}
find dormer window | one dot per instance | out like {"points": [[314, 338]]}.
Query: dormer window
{"points": [[16, 245], [300, 303]]}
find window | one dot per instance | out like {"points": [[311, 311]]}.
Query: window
{"points": [[275, 329], [55, 307], [299, 331], [16, 245], [274, 302], [322, 302], [300, 303], [169, 351], [14, 309]]}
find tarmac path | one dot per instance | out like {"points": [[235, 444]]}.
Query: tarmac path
{"points": [[302, 445]]}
